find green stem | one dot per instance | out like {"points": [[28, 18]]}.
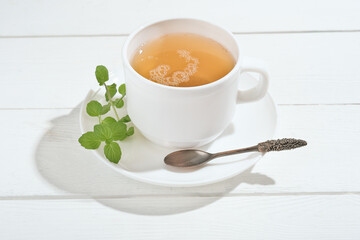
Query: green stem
{"points": [[117, 116], [111, 102], [99, 119]]}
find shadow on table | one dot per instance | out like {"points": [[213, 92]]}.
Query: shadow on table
{"points": [[64, 163]]}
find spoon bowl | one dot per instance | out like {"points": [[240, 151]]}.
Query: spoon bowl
{"points": [[187, 158]]}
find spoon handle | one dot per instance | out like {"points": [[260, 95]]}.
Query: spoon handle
{"points": [[236, 151]]}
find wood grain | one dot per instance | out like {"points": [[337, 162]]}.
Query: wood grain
{"points": [[276, 217], [50, 161], [58, 72], [95, 17]]}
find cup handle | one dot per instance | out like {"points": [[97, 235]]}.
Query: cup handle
{"points": [[257, 92]]}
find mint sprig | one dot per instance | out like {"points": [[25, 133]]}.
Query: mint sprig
{"points": [[109, 130]]}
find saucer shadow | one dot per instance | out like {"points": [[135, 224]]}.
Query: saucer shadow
{"points": [[61, 161]]}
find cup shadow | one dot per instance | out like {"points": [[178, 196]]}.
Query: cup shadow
{"points": [[61, 161]]}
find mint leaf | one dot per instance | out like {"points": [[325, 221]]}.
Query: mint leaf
{"points": [[108, 121], [89, 140], [122, 89], [119, 103], [105, 109], [112, 152], [118, 130], [130, 131], [112, 91], [125, 119], [103, 132], [94, 108], [102, 74]]}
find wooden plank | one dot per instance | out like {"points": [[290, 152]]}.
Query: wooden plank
{"points": [[41, 157], [85, 17], [255, 217], [309, 68], [58, 72]]}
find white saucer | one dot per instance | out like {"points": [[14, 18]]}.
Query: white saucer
{"points": [[142, 160]]}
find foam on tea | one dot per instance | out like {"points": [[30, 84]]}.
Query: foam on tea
{"points": [[183, 60]]}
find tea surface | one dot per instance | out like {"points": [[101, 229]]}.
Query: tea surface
{"points": [[183, 60]]}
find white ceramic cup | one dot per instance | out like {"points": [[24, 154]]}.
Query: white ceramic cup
{"points": [[186, 117]]}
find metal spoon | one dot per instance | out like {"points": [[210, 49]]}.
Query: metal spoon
{"points": [[193, 157]]}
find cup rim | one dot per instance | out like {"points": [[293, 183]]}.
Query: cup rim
{"points": [[148, 82]]}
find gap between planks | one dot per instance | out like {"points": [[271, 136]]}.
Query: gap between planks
{"points": [[281, 104], [125, 34], [71, 197]]}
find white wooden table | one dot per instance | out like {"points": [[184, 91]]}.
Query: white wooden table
{"points": [[51, 188]]}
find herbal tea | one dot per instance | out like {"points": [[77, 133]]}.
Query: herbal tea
{"points": [[183, 60]]}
